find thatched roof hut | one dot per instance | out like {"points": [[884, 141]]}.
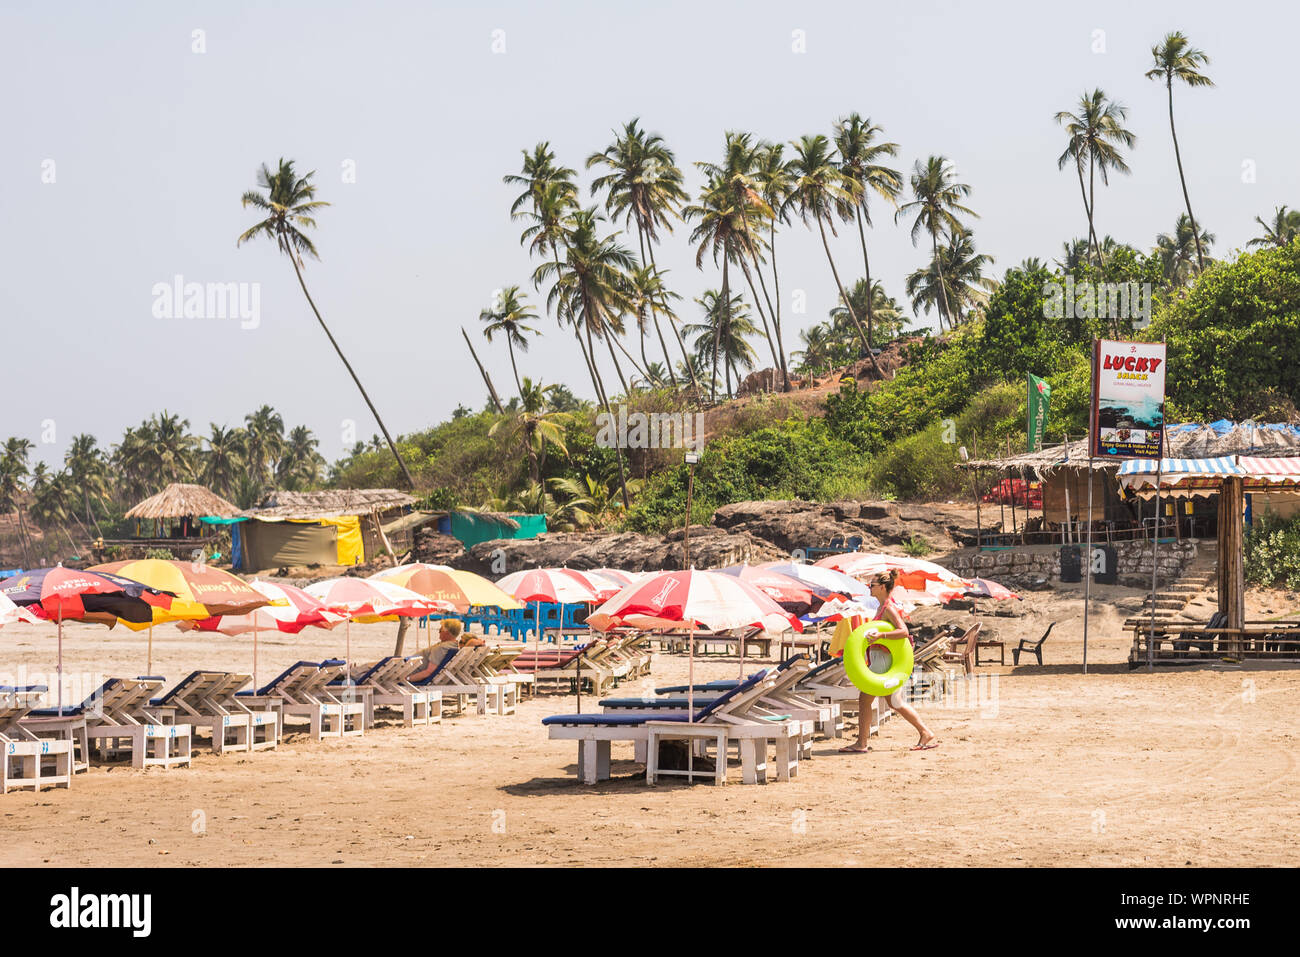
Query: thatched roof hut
{"points": [[329, 503], [184, 501]]}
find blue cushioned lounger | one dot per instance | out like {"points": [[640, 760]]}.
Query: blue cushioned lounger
{"points": [[616, 720]]}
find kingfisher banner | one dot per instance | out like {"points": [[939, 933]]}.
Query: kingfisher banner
{"points": [[1128, 399], [1040, 397]]}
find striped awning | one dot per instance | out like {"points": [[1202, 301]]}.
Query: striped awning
{"points": [[1270, 471], [1185, 475]]}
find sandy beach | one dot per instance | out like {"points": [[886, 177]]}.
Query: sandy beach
{"points": [[1037, 765]]}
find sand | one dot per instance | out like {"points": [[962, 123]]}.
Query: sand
{"points": [[1037, 765]]}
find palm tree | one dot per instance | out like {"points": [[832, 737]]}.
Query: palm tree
{"points": [[539, 171], [890, 320], [300, 464], [174, 448], [223, 462], [13, 472], [860, 166], [1176, 249], [507, 315], [775, 181], [264, 442], [536, 425], [955, 277], [289, 204], [590, 287], [817, 354], [644, 187], [1097, 132], [1175, 59], [819, 192], [723, 334], [87, 471], [1281, 231], [936, 203], [647, 294], [722, 216]]}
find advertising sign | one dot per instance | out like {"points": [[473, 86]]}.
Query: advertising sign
{"points": [[1128, 399]]}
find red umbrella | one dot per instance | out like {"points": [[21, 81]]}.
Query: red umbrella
{"points": [[697, 599], [370, 599], [562, 586], [790, 594], [984, 588]]}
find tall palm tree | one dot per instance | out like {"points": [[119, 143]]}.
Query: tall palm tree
{"points": [[1097, 132], [264, 442], [1176, 59], [507, 316], [648, 296], [775, 181], [1176, 249], [300, 464], [890, 320], [955, 277], [722, 336], [539, 171], [87, 471], [935, 204], [223, 462], [644, 187], [13, 475], [174, 448], [861, 166], [290, 204], [1281, 231], [590, 287], [817, 354], [727, 213], [819, 192]]}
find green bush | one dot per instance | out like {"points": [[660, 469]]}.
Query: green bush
{"points": [[1273, 552]]}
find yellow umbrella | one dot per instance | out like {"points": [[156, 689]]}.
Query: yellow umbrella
{"points": [[462, 589], [201, 591]]}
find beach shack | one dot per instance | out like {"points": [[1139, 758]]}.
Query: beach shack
{"points": [[173, 520], [331, 527]]}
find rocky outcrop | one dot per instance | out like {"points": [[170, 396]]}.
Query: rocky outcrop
{"points": [[434, 548], [793, 525], [709, 547]]}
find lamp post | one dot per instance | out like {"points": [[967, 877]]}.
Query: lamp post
{"points": [[692, 460]]}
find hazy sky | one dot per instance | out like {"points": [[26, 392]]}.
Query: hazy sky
{"points": [[150, 144]]}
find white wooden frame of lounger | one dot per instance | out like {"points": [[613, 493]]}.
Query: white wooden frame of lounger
{"points": [[295, 694], [213, 703], [498, 668], [503, 693], [594, 740], [23, 756], [151, 743], [385, 688], [456, 677]]}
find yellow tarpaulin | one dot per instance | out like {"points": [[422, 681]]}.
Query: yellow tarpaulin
{"points": [[351, 546]]}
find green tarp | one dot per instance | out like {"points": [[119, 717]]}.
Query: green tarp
{"points": [[471, 529]]}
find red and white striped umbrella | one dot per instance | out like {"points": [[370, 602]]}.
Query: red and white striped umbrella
{"points": [[919, 582], [9, 613], [794, 596], [290, 611], [563, 586], [620, 577], [698, 599], [370, 600]]}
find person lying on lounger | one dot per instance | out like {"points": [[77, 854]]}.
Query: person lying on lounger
{"points": [[450, 640], [882, 586]]}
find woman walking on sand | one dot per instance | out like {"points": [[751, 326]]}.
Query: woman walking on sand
{"points": [[882, 586]]}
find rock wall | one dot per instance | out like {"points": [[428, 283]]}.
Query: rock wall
{"points": [[1028, 565]]}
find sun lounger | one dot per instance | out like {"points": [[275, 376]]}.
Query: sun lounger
{"points": [[27, 761], [301, 690], [383, 687], [595, 732], [116, 715], [212, 700]]}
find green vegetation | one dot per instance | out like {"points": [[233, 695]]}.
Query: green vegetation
{"points": [[1273, 552]]}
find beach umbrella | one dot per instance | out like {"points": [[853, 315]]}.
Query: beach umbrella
{"points": [[463, 589], [826, 583], [68, 594], [290, 611], [10, 613], [838, 608], [561, 586], [370, 600], [985, 588], [201, 591], [697, 599], [921, 582], [619, 576], [789, 593]]}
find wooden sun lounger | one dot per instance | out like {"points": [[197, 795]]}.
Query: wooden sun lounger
{"points": [[383, 687], [27, 761], [117, 715], [301, 691], [731, 711], [212, 700]]}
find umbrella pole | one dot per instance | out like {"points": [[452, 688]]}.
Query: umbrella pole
{"points": [[255, 684], [60, 667], [690, 673], [537, 645], [149, 656]]}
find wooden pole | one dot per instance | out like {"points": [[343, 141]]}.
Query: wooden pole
{"points": [[1087, 564], [975, 491], [1155, 560]]}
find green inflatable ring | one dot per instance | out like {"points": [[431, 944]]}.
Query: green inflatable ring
{"points": [[880, 684]]}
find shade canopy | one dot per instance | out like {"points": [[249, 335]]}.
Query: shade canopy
{"points": [[201, 590], [463, 589], [289, 611], [561, 585], [369, 600], [791, 594], [69, 594], [698, 599], [179, 500]]}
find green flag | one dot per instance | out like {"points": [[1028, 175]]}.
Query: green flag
{"points": [[1040, 397]]}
